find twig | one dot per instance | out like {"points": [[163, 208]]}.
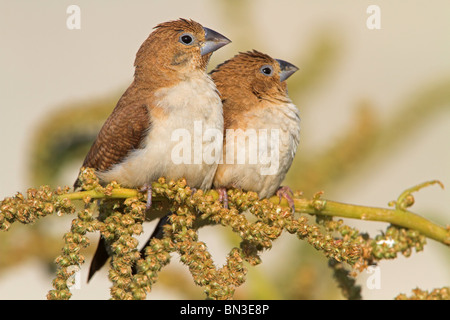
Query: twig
{"points": [[398, 216]]}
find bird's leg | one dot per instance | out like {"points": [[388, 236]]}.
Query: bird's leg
{"points": [[193, 190], [147, 188], [286, 192], [223, 197]]}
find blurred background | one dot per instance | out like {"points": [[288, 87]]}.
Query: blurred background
{"points": [[375, 107]]}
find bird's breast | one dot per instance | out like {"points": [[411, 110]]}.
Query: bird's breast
{"points": [[184, 139], [258, 155]]}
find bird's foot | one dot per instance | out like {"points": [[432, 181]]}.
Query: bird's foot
{"points": [[193, 191], [286, 192], [223, 197], [147, 188]]}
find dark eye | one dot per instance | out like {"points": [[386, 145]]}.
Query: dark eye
{"points": [[186, 38], [266, 70]]}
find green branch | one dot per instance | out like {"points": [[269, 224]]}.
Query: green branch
{"points": [[398, 216], [120, 220]]}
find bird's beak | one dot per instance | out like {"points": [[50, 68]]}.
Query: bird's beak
{"points": [[213, 41], [287, 69]]}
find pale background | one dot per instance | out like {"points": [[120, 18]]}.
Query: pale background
{"points": [[43, 65]]}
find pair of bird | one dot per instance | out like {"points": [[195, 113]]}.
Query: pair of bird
{"points": [[171, 90]]}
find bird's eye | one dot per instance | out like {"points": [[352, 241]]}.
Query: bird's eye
{"points": [[266, 70], [187, 39]]}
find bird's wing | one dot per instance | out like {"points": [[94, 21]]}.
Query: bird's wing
{"points": [[122, 132]]}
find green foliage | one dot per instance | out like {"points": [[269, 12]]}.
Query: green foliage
{"points": [[37, 203], [435, 294], [122, 213]]}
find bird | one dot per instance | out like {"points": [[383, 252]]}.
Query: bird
{"points": [[171, 92], [261, 123], [254, 95]]}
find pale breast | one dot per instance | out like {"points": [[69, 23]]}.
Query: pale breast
{"points": [[179, 143], [271, 139]]}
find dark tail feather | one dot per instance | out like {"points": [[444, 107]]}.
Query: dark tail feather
{"points": [[157, 234], [99, 259], [101, 255]]}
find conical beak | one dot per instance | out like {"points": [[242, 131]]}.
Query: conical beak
{"points": [[287, 69], [213, 41]]}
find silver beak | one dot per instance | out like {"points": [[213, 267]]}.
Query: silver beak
{"points": [[287, 69], [213, 41]]}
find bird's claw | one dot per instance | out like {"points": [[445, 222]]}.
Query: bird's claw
{"points": [[223, 197], [147, 188], [286, 192], [193, 191]]}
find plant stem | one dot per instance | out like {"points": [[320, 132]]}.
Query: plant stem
{"points": [[398, 217], [402, 218], [119, 193]]}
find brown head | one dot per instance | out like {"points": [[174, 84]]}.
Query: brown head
{"points": [[248, 79], [253, 75], [175, 49]]}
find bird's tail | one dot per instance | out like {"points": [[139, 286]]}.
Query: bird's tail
{"points": [[100, 257], [157, 234]]}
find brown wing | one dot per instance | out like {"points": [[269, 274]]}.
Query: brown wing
{"points": [[122, 132]]}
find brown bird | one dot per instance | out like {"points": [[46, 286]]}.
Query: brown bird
{"points": [[171, 93], [262, 125]]}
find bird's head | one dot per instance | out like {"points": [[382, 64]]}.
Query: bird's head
{"points": [[253, 73], [177, 47]]}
